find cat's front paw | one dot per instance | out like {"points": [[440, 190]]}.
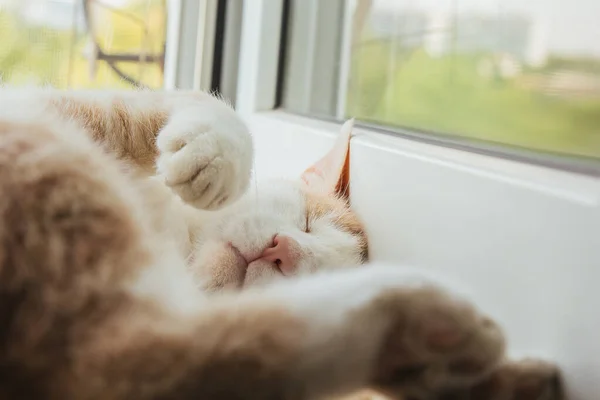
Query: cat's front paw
{"points": [[205, 155], [438, 341]]}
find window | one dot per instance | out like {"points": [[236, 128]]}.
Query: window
{"points": [[83, 43], [521, 75]]}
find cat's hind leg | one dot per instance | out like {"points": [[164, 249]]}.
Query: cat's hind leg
{"points": [[324, 335], [70, 237], [433, 338], [515, 380]]}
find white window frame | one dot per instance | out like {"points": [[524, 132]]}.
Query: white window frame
{"points": [[525, 238], [189, 44]]}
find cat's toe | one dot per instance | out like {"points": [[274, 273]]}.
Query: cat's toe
{"points": [[441, 341], [203, 182], [524, 380], [201, 166], [531, 380]]}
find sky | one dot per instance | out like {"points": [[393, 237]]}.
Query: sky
{"points": [[573, 26]]}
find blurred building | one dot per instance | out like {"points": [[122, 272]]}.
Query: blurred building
{"points": [[520, 37]]}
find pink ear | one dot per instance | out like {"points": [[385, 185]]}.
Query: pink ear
{"points": [[331, 173]]}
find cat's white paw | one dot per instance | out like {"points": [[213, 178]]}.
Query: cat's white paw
{"points": [[205, 155]]}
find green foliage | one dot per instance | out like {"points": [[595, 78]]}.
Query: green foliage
{"points": [[448, 95], [41, 55]]}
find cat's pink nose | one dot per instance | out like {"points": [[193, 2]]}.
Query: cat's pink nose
{"points": [[285, 253]]}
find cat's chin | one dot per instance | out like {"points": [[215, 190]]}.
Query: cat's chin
{"points": [[261, 272], [220, 266]]}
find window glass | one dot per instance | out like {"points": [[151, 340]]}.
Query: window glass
{"points": [[511, 72], [82, 44]]}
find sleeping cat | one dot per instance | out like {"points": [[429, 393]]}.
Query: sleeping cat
{"points": [[96, 301], [284, 228], [239, 245]]}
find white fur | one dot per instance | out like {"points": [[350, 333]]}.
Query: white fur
{"points": [[168, 283], [203, 137], [166, 280], [210, 132], [355, 287], [205, 140], [278, 207]]}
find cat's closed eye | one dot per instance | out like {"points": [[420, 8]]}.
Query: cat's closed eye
{"points": [[307, 224]]}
